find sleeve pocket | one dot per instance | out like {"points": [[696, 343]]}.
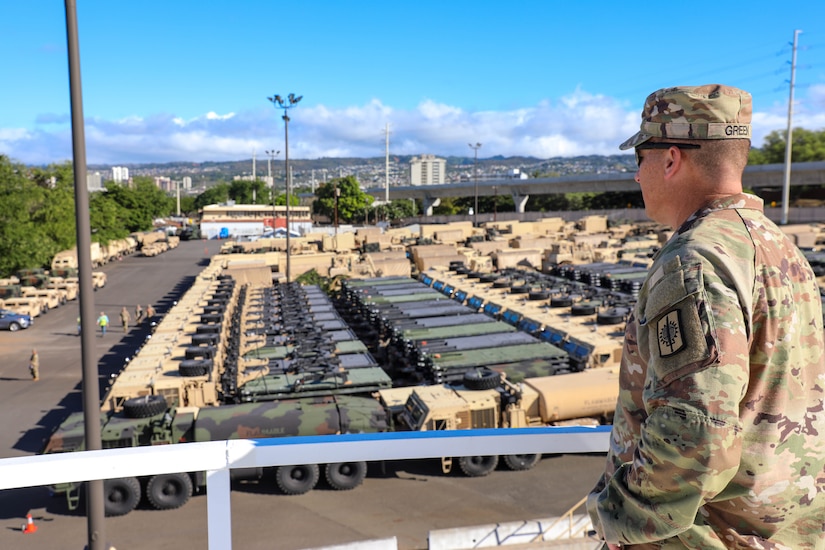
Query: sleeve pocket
{"points": [[680, 333]]}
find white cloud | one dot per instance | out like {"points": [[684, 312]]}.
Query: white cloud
{"points": [[580, 123]]}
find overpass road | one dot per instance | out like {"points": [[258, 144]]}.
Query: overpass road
{"points": [[768, 175]]}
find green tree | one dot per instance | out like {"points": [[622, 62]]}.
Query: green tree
{"points": [[352, 202], [294, 199], [140, 204], [249, 192], [18, 232], [397, 209], [450, 206], [808, 146], [214, 195], [187, 206]]}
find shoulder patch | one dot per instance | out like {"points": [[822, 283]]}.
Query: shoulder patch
{"points": [[669, 333]]}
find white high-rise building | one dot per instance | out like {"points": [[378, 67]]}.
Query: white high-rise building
{"points": [[94, 182], [187, 182], [427, 170], [120, 174]]}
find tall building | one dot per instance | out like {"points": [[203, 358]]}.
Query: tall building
{"points": [[187, 182], [120, 174], [165, 183], [94, 182], [427, 170]]}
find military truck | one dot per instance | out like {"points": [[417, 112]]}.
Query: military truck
{"points": [[68, 258], [146, 421], [488, 401], [11, 296], [68, 288]]}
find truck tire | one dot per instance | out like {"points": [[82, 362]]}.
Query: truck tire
{"points": [[583, 309], [145, 406], [613, 317], [481, 379], [561, 301], [194, 367], [120, 496], [518, 463], [296, 480], [477, 466], [343, 476], [168, 491]]}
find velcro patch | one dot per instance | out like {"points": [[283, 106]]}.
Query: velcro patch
{"points": [[669, 333]]}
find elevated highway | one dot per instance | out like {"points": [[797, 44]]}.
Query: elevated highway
{"points": [[766, 175]]}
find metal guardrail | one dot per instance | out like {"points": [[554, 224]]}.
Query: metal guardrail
{"points": [[217, 458]]}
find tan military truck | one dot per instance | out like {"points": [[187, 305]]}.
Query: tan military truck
{"points": [[51, 298], [69, 289], [488, 401], [99, 280], [32, 306]]}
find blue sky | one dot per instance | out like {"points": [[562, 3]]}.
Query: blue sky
{"points": [[186, 80]]}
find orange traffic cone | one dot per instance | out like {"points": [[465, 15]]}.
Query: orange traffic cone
{"points": [[30, 527]]}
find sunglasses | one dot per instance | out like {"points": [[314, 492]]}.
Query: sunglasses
{"points": [[661, 145]]}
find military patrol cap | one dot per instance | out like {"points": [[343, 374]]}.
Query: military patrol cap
{"points": [[712, 111]]}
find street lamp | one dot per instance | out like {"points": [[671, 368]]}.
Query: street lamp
{"points": [[286, 104], [475, 148]]}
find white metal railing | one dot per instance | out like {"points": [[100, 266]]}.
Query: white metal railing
{"points": [[217, 458]]}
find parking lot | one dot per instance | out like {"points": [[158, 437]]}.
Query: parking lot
{"points": [[402, 499]]}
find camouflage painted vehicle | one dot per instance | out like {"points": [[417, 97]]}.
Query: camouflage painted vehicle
{"points": [[148, 421]]}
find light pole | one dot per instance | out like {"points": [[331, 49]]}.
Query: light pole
{"points": [[286, 104], [272, 154], [475, 148], [495, 203]]}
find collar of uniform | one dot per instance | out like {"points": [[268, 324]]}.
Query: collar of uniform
{"points": [[731, 202], [737, 201]]}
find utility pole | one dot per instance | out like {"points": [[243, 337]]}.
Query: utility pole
{"points": [[786, 186], [271, 156], [475, 148], [387, 164]]}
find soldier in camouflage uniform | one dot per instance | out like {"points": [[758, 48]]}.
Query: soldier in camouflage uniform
{"points": [[719, 434]]}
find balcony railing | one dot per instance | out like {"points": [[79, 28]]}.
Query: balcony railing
{"points": [[217, 458]]}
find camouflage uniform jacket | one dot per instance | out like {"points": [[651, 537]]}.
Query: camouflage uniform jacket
{"points": [[719, 434]]}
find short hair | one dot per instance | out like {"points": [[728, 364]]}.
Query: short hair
{"points": [[714, 154]]}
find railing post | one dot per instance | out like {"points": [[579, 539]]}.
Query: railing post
{"points": [[218, 509]]}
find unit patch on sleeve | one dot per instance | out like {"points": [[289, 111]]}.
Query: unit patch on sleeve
{"points": [[669, 333]]}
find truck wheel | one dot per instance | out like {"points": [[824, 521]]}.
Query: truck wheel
{"points": [[613, 316], [583, 309], [121, 496], [296, 480], [169, 491], [481, 379], [343, 476], [521, 462], [194, 367], [477, 466], [145, 406]]}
